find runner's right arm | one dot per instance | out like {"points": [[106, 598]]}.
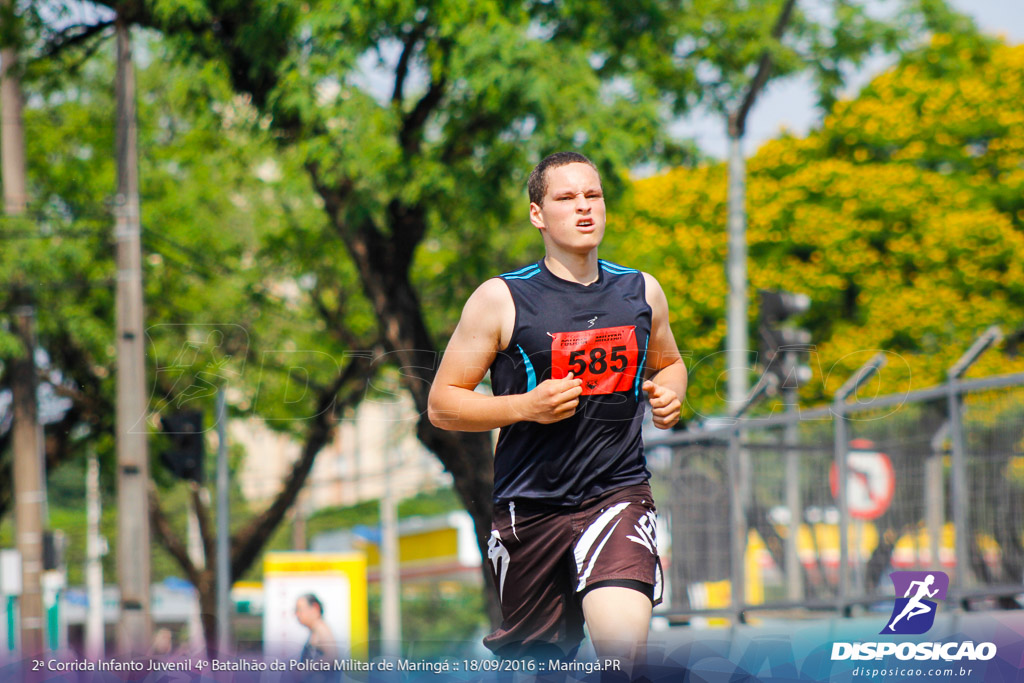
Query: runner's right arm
{"points": [[484, 329]]}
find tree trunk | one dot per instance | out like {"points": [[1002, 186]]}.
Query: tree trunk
{"points": [[248, 542], [208, 611], [383, 264], [467, 456]]}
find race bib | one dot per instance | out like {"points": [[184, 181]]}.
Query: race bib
{"points": [[605, 358]]}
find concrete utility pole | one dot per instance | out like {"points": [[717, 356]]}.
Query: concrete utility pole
{"points": [[12, 131], [29, 485], [94, 636], [134, 628], [390, 583], [736, 273], [29, 475], [194, 543], [223, 529], [736, 268], [791, 438]]}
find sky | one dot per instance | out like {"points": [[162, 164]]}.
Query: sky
{"points": [[790, 104]]}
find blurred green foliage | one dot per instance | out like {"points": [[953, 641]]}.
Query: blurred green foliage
{"points": [[900, 218], [272, 131]]}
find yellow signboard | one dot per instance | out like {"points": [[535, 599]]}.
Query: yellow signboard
{"points": [[436, 545], [338, 580]]}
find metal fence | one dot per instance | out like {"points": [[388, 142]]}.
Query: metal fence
{"points": [[813, 509]]}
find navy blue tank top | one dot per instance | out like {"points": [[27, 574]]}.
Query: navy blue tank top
{"points": [[600, 333]]}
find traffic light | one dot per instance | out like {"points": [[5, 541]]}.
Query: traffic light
{"points": [[781, 344], [186, 452], [54, 547]]}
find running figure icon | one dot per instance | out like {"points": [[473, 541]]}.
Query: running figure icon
{"points": [[914, 606]]}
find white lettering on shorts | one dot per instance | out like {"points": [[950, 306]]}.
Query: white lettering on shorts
{"points": [[512, 514], [646, 530], [589, 537], [498, 556]]}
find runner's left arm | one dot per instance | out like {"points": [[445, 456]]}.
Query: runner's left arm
{"points": [[666, 383]]}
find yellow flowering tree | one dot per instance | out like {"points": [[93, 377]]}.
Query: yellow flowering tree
{"points": [[902, 218]]}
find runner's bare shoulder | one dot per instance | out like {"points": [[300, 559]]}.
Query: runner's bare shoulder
{"points": [[490, 312]]}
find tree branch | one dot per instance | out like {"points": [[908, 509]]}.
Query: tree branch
{"points": [[85, 402], [402, 68], [738, 120], [408, 224], [203, 517], [249, 541], [412, 125], [76, 362], [368, 247], [66, 38], [335, 321], [229, 33], [169, 539], [461, 144], [335, 196], [409, 137]]}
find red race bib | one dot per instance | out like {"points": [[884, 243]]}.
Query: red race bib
{"points": [[604, 358]]}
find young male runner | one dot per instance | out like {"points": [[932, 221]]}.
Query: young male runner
{"points": [[572, 343]]}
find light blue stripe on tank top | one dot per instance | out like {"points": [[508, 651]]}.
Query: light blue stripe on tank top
{"points": [[613, 268], [531, 376], [521, 270], [524, 276], [640, 370]]}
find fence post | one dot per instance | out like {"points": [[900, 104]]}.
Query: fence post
{"points": [[738, 515], [959, 489], [841, 439], [841, 443], [738, 464], [793, 570], [958, 485], [790, 437], [934, 494]]}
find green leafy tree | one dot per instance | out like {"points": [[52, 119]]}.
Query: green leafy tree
{"points": [[417, 185], [403, 132], [221, 306]]}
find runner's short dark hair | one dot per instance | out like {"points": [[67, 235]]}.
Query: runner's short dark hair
{"points": [[537, 185], [314, 601]]}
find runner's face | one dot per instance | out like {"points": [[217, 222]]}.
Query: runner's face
{"points": [[572, 214]]}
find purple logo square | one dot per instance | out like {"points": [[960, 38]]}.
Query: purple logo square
{"points": [[916, 593]]}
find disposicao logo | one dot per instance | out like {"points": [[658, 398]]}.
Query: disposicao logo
{"points": [[914, 613]]}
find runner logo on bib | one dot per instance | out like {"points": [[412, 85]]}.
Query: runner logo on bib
{"points": [[604, 358]]}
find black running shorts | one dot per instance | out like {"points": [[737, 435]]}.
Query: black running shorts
{"points": [[544, 559]]}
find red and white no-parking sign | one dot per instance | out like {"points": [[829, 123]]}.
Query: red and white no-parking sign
{"points": [[870, 480]]}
